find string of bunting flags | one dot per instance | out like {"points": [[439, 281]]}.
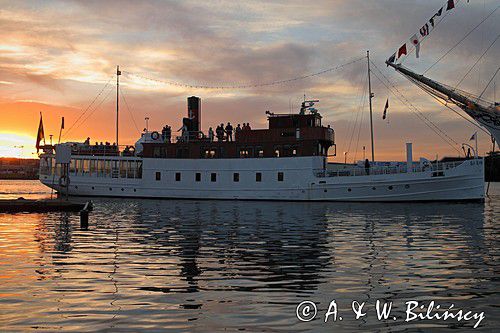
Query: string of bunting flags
{"points": [[423, 33]]}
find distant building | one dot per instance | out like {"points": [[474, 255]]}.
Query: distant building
{"points": [[19, 168]]}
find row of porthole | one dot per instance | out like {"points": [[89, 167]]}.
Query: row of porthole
{"points": [[111, 189], [374, 188]]}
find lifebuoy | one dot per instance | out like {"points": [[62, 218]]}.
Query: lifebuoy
{"points": [[155, 135]]}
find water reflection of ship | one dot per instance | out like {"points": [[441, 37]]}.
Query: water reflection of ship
{"points": [[301, 249], [287, 246], [270, 245]]}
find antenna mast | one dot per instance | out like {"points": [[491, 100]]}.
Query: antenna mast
{"points": [[118, 73], [371, 95]]}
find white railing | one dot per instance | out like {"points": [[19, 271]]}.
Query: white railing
{"points": [[386, 170]]}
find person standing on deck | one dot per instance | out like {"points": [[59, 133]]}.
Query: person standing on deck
{"points": [[211, 134], [229, 132], [237, 131], [219, 131], [367, 167]]}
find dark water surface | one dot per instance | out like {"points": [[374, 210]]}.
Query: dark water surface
{"points": [[212, 266]]}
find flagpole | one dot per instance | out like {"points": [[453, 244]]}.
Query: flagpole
{"points": [[475, 137], [41, 120], [60, 130], [118, 73], [370, 98]]}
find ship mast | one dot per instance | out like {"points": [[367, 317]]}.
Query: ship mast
{"points": [[118, 73], [371, 95]]}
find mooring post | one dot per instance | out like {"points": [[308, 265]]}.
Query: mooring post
{"points": [[84, 217]]}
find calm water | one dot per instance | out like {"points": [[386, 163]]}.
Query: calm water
{"points": [[152, 265]]}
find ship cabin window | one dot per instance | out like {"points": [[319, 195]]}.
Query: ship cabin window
{"points": [[182, 153], [123, 169], [289, 151], [209, 153], [246, 152], [86, 166], [213, 177], [72, 166], [258, 177], [159, 152], [280, 176], [197, 177], [177, 176], [259, 152], [236, 177], [114, 169], [101, 170], [158, 175], [92, 167]]}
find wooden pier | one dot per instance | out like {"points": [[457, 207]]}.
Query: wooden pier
{"points": [[40, 206]]}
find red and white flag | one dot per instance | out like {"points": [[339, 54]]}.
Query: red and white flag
{"points": [[416, 42], [402, 51]]}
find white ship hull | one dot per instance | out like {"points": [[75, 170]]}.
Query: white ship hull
{"points": [[304, 179]]}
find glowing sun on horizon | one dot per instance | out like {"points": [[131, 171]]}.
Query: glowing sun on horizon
{"points": [[18, 145]]}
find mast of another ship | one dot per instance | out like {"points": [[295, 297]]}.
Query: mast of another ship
{"points": [[371, 95], [474, 106], [118, 73]]}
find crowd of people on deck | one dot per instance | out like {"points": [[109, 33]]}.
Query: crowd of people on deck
{"points": [[222, 133], [226, 132]]}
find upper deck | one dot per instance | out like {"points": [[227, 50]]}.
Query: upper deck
{"points": [[288, 135]]}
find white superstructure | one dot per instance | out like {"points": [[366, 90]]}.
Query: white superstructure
{"points": [[287, 178]]}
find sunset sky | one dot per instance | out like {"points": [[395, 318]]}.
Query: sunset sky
{"points": [[57, 56]]}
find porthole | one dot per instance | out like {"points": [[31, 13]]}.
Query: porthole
{"points": [[135, 190], [76, 187], [123, 189], [390, 187], [407, 186], [110, 189], [349, 190], [374, 188], [325, 191], [93, 188]]}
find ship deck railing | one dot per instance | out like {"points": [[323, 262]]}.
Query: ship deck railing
{"points": [[388, 170]]}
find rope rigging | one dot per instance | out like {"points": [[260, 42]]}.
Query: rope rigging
{"points": [[246, 86], [489, 82], [88, 106], [97, 106], [80, 120], [122, 95], [436, 24], [461, 40], [401, 97], [477, 61], [360, 107], [445, 104]]}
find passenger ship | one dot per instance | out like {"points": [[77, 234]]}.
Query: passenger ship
{"points": [[286, 161]]}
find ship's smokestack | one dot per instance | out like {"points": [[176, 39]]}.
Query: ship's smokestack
{"points": [[194, 112]]}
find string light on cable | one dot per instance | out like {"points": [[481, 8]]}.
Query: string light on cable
{"points": [[245, 86]]}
